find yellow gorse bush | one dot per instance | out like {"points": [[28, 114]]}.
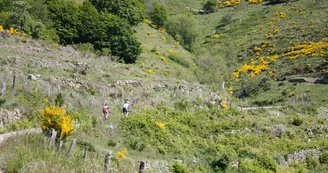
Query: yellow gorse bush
{"points": [[57, 118], [163, 59], [224, 106], [256, 67], [254, 1], [160, 125], [314, 49], [227, 3], [149, 71], [230, 90], [161, 30], [173, 52], [121, 154], [1, 28]]}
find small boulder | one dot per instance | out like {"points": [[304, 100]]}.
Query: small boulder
{"points": [[31, 77]]}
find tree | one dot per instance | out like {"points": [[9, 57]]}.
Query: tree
{"points": [[131, 10], [65, 17], [184, 28], [210, 6], [122, 41], [159, 16]]}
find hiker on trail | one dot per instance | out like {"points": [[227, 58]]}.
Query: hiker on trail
{"points": [[106, 111], [125, 108]]}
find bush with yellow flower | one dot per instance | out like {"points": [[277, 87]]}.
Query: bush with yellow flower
{"points": [[57, 118]]}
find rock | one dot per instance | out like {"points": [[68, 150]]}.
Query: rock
{"points": [[31, 77], [321, 81], [299, 80], [277, 130], [9, 116], [300, 156]]}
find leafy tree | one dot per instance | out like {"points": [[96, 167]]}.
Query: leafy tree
{"points": [[65, 16], [20, 19], [159, 16], [210, 6], [88, 25], [131, 10], [184, 28], [123, 43]]}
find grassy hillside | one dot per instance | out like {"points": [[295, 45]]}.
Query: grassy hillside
{"points": [[181, 119], [289, 40]]}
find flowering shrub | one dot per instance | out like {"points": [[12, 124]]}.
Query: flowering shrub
{"points": [[121, 154], [224, 106], [313, 49], [161, 30], [148, 71], [230, 90], [160, 125], [173, 52], [163, 59], [231, 3], [175, 42], [216, 36], [254, 1], [255, 67], [157, 52], [148, 33], [56, 117], [13, 31]]}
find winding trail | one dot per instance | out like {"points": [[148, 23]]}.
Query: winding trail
{"points": [[21, 132], [262, 107]]}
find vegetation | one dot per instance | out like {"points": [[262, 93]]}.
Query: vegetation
{"points": [[213, 86]]}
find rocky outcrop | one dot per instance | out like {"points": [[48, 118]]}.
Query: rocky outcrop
{"points": [[321, 81], [299, 156], [9, 116], [297, 80], [276, 130]]}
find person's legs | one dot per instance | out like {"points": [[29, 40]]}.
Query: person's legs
{"points": [[105, 116]]}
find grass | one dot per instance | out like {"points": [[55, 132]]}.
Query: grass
{"points": [[207, 140]]}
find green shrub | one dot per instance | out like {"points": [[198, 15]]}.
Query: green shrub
{"points": [[178, 168], [267, 163], [111, 143], [324, 158], [182, 105], [297, 121], [24, 124], [2, 101], [136, 144], [159, 15], [221, 163], [312, 162], [59, 101], [161, 149], [87, 145], [179, 60]]}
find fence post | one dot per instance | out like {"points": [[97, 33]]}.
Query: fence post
{"points": [[141, 167], [52, 139], [14, 80], [71, 148], [107, 161], [85, 153], [60, 144]]}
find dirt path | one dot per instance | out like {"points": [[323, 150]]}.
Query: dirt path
{"points": [[262, 107], [21, 132]]}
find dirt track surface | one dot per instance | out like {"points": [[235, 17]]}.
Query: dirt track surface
{"points": [[22, 132]]}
